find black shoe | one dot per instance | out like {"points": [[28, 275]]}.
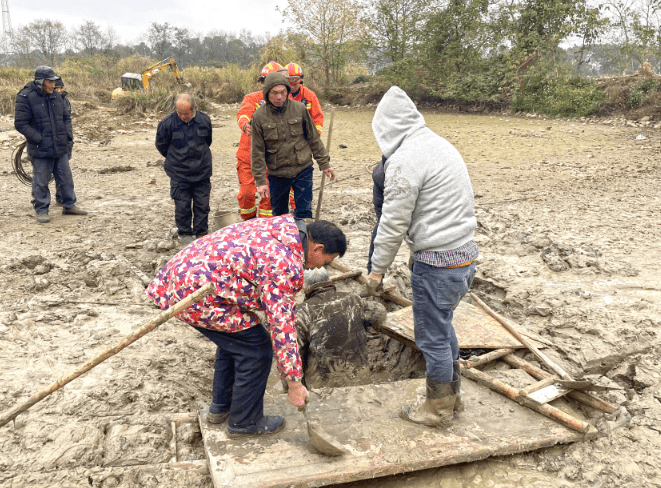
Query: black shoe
{"points": [[217, 418], [73, 211], [186, 239], [267, 425]]}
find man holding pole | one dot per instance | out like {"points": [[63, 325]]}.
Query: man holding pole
{"points": [[284, 140]]}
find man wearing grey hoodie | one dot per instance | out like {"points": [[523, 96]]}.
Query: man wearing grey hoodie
{"points": [[428, 202]]}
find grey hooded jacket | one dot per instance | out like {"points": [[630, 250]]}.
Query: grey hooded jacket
{"points": [[428, 197]]}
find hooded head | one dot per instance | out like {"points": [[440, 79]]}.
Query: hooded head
{"points": [[276, 79], [395, 118]]}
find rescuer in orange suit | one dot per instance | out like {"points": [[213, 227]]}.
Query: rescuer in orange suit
{"points": [[303, 94], [247, 191]]}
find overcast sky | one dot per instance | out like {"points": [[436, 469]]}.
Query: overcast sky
{"points": [[131, 18]]}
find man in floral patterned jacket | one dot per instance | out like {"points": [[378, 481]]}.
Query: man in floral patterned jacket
{"points": [[255, 266]]}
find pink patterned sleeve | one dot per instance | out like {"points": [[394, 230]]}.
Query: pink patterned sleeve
{"points": [[278, 296]]}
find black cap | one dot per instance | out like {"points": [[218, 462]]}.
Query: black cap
{"points": [[45, 73], [59, 82]]}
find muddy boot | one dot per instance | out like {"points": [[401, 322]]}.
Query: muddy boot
{"points": [[459, 404], [438, 409]]}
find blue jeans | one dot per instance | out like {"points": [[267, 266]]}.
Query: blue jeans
{"points": [[436, 293], [42, 169], [279, 187], [243, 364]]}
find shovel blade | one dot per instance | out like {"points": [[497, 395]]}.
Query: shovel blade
{"points": [[323, 442]]}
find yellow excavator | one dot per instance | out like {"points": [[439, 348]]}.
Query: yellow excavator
{"points": [[135, 81]]}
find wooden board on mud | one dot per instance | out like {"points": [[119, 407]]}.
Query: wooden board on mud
{"points": [[475, 329], [365, 420]]}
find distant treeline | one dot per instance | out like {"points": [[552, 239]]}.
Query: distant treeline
{"points": [[501, 52]]}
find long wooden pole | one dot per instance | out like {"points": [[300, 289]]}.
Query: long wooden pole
{"points": [[505, 323], [510, 392], [194, 297], [584, 397], [323, 175]]}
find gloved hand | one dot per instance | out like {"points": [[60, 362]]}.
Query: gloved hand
{"points": [[374, 287], [247, 127]]}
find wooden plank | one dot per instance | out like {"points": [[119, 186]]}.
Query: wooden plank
{"points": [[475, 329], [365, 420]]}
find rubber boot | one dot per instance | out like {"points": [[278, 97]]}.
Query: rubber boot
{"points": [[459, 404], [438, 409]]}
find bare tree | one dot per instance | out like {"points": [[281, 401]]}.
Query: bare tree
{"points": [[88, 38], [333, 29], [47, 37], [160, 39], [111, 38]]}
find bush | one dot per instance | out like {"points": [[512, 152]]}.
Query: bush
{"points": [[637, 94], [558, 95], [409, 75]]}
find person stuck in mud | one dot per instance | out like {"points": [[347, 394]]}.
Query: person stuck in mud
{"points": [[331, 333], [284, 140], [255, 265], [428, 201], [184, 138]]}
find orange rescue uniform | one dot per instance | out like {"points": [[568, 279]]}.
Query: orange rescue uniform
{"points": [[251, 102], [309, 98]]}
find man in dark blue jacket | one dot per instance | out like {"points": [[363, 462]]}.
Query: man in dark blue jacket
{"points": [[183, 138], [46, 124]]}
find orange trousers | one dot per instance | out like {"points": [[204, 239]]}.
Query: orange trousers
{"points": [[247, 191]]}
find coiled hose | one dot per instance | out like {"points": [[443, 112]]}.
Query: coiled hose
{"points": [[23, 176]]}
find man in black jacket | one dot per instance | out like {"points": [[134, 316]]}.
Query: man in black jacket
{"points": [[184, 138], [59, 88], [46, 124]]}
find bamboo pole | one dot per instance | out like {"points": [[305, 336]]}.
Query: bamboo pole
{"points": [[486, 358], [346, 276], [514, 394], [585, 398], [323, 175], [506, 323], [194, 297], [388, 295]]}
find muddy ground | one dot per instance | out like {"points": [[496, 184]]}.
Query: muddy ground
{"points": [[569, 233]]}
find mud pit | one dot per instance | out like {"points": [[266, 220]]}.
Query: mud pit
{"points": [[569, 228]]}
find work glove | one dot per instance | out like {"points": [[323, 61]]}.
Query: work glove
{"points": [[374, 287]]}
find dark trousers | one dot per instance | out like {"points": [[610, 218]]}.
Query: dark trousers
{"points": [[280, 186], [42, 169], [243, 364], [191, 203]]}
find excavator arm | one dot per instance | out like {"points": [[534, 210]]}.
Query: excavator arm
{"points": [[167, 63], [135, 81]]}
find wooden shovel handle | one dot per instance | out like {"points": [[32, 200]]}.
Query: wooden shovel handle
{"points": [[194, 297]]}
